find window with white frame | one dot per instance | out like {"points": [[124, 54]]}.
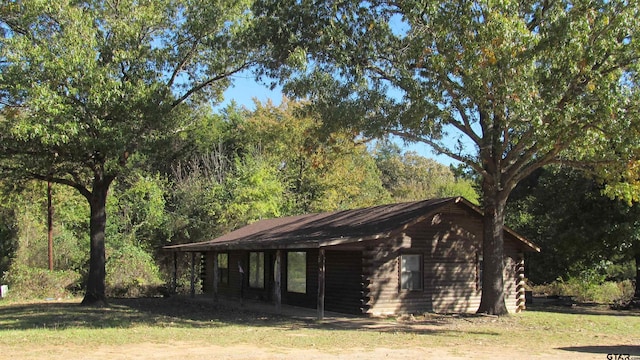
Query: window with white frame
{"points": [[411, 272]]}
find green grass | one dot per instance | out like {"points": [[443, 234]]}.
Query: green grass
{"points": [[165, 321]]}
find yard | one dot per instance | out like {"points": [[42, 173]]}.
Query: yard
{"points": [[194, 329]]}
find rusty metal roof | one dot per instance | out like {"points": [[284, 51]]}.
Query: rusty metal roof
{"points": [[330, 228]]}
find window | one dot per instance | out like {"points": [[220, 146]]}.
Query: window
{"points": [[479, 270], [411, 272], [256, 270], [223, 268], [297, 272]]}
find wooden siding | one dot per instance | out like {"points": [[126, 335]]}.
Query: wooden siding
{"points": [[343, 282], [449, 242], [343, 286], [512, 256], [207, 272]]}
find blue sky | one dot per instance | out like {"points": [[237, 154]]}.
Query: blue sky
{"points": [[245, 89]]}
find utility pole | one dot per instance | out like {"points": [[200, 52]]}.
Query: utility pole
{"points": [[50, 225]]}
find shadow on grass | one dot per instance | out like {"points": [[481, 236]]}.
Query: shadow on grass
{"points": [[123, 313], [563, 307], [188, 313], [598, 349]]}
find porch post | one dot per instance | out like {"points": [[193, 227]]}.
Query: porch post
{"points": [[277, 276], [174, 281], [321, 283], [216, 275], [193, 274]]}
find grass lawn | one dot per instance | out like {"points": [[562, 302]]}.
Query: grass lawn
{"points": [[190, 329]]}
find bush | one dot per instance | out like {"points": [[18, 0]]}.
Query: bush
{"points": [[37, 283], [581, 290], [131, 272]]}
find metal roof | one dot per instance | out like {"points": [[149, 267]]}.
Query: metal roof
{"points": [[331, 228]]}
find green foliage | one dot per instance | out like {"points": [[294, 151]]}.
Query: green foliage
{"points": [[255, 192], [347, 178], [85, 85], [29, 206], [590, 285], [321, 170], [138, 211], [460, 187], [409, 176], [578, 228], [28, 282], [200, 130], [582, 290], [131, 272], [70, 228], [197, 196], [619, 271], [505, 87], [269, 162], [144, 197], [8, 239]]}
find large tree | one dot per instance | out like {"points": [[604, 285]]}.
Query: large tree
{"points": [[84, 84], [505, 87]]}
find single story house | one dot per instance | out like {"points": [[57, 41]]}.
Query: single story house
{"points": [[414, 257]]}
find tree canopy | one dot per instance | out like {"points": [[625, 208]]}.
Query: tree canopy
{"points": [[411, 177], [581, 230], [84, 85], [504, 87]]}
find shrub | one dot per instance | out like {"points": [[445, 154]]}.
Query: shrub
{"points": [[37, 283], [606, 292], [131, 272]]}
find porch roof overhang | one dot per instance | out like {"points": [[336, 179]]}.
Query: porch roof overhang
{"points": [[273, 244], [334, 228]]}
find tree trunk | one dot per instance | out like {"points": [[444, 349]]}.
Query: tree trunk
{"points": [[492, 299], [95, 291]]}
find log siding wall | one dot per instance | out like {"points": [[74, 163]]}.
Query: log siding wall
{"points": [[449, 242], [344, 282]]}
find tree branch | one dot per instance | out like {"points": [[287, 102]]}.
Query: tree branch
{"points": [[208, 82], [440, 149], [86, 193], [528, 168], [180, 65], [518, 149], [466, 129], [537, 18]]}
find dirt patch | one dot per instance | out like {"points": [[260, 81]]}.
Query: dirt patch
{"points": [[193, 351]]}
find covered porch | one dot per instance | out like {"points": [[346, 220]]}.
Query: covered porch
{"points": [[320, 275]]}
